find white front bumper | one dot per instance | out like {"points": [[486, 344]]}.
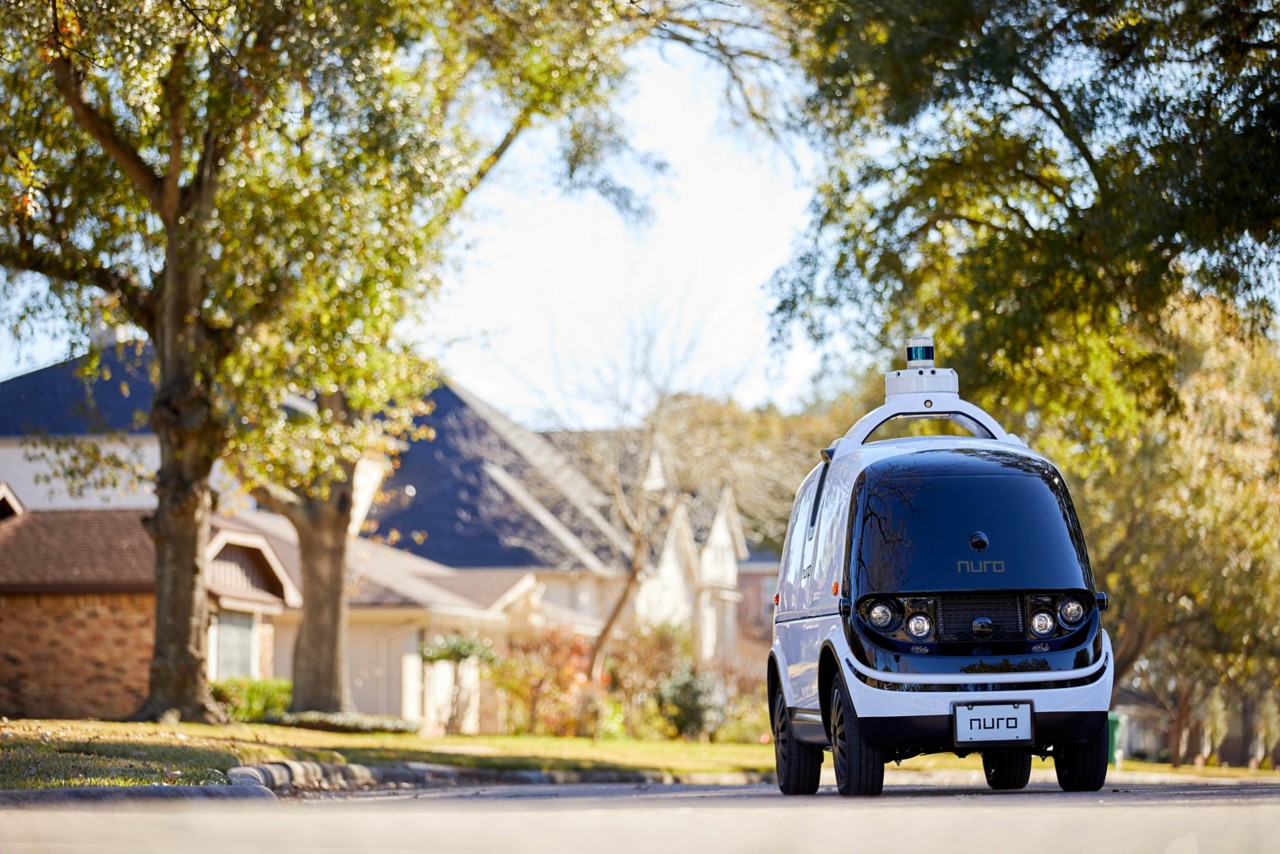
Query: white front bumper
{"points": [[878, 703]]}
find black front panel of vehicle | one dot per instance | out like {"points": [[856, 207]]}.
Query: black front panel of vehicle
{"points": [[958, 611], [965, 520]]}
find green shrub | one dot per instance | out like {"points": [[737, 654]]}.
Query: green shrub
{"points": [[612, 720], [456, 647], [344, 722], [252, 700], [688, 701], [746, 719]]}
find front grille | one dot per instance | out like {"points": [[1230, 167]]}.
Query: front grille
{"points": [[957, 611]]}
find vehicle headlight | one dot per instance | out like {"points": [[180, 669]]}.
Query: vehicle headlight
{"points": [[1042, 624], [881, 615], [1070, 611], [919, 626]]}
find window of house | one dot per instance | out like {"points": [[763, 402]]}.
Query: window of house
{"points": [[235, 635], [768, 587]]}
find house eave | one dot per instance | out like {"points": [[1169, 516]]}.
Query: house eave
{"points": [[76, 589]]}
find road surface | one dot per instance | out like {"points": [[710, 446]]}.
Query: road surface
{"points": [[620, 819]]}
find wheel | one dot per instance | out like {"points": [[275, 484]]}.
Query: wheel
{"points": [[799, 765], [1006, 769], [859, 766], [1081, 767]]}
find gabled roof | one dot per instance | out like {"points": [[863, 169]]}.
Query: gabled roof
{"points": [[108, 551], [486, 492], [224, 536], [9, 503], [488, 588], [61, 401], [383, 576]]}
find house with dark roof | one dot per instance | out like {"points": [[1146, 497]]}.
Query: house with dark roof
{"points": [[486, 492], [77, 603], [488, 524], [397, 602]]}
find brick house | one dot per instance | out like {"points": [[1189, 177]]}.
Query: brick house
{"points": [[77, 608], [488, 528]]}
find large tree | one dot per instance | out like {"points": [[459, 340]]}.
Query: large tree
{"points": [[1073, 196], [1037, 180], [486, 74], [160, 155], [482, 76], [247, 184]]}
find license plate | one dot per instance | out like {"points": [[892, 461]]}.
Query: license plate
{"points": [[993, 723]]}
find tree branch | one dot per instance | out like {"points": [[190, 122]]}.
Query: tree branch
{"points": [[69, 266], [279, 499], [68, 80], [1057, 111], [176, 99], [518, 126]]}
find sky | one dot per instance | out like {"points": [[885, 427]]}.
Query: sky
{"points": [[551, 291], [547, 292]]}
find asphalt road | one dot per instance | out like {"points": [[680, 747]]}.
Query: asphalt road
{"points": [[618, 819]]}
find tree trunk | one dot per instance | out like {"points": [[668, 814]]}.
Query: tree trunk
{"points": [[320, 679], [1244, 754], [602, 640], [178, 684], [1178, 736], [190, 442]]}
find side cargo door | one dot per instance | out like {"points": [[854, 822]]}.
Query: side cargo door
{"points": [[792, 593]]}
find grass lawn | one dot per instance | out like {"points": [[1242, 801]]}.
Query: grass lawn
{"points": [[51, 753], [37, 754]]}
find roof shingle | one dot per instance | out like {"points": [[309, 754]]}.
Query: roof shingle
{"points": [[59, 401], [76, 550]]}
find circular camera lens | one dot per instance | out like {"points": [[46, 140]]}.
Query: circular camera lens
{"points": [[919, 626], [1071, 611], [1042, 624], [978, 541], [881, 615]]}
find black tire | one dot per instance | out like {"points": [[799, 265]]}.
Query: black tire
{"points": [[1081, 767], [799, 765], [859, 766], [1006, 769]]}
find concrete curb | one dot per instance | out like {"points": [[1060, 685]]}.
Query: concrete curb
{"points": [[289, 776], [116, 794], [264, 782]]}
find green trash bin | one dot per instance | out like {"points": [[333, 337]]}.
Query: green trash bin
{"points": [[1114, 723]]}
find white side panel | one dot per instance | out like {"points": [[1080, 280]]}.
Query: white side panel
{"points": [[832, 532], [803, 644]]}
